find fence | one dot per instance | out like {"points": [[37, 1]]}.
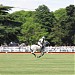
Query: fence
{"points": [[47, 49]]}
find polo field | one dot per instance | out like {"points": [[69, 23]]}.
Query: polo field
{"points": [[27, 64]]}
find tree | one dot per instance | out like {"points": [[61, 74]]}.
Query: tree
{"points": [[21, 16], [63, 33], [4, 9], [60, 13], [8, 27], [68, 26], [3, 14], [31, 31], [70, 10], [45, 17], [71, 21], [56, 35]]}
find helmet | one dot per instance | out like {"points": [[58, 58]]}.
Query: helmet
{"points": [[43, 37]]}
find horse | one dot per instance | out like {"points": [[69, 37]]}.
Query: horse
{"points": [[39, 47]]}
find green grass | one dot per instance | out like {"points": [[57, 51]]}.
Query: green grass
{"points": [[27, 64]]}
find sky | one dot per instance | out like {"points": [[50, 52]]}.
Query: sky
{"points": [[31, 5]]}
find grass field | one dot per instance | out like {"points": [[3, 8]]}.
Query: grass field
{"points": [[27, 64]]}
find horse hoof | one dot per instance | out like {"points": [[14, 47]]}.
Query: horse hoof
{"points": [[38, 56], [35, 55]]}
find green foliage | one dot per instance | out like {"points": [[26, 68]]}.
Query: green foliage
{"points": [[32, 31], [29, 26], [45, 17], [8, 27], [56, 35], [4, 9], [60, 13], [68, 26], [70, 10]]}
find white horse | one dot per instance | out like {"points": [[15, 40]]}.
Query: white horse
{"points": [[40, 47]]}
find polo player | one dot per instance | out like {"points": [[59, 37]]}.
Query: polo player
{"points": [[41, 42]]}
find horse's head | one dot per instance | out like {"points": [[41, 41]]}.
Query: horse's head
{"points": [[46, 43]]}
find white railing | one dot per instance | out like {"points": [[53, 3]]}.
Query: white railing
{"points": [[60, 49], [47, 49]]}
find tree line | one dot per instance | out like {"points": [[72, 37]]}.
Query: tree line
{"points": [[28, 26]]}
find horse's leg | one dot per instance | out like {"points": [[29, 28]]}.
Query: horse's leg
{"points": [[34, 54], [42, 53]]}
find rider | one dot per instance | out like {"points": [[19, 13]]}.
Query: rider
{"points": [[41, 42]]}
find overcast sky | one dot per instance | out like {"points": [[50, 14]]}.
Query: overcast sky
{"points": [[33, 4]]}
